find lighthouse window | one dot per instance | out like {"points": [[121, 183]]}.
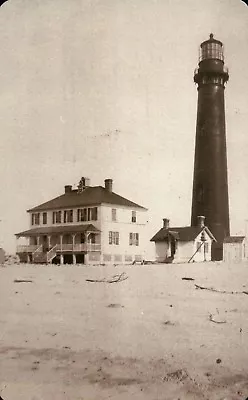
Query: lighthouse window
{"points": [[212, 50]]}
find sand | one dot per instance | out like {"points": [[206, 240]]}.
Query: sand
{"points": [[148, 337]]}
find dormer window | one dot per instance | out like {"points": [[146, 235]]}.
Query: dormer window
{"points": [[134, 217]]}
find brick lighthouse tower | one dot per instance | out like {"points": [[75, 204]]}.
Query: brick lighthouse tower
{"points": [[210, 184]]}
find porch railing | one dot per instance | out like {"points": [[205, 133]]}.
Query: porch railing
{"points": [[28, 248], [79, 247]]}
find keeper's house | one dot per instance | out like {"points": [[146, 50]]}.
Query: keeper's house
{"points": [[87, 225]]}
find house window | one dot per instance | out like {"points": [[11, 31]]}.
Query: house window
{"points": [[68, 216], [133, 239], [36, 219], [56, 217], [206, 247], [134, 217], [87, 214], [114, 238], [44, 218], [114, 214], [94, 214], [82, 214]]}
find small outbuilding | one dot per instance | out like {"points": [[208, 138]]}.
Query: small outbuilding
{"points": [[183, 244], [234, 249]]}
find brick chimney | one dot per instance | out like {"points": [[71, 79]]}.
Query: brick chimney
{"points": [[201, 221], [109, 184], [68, 188], [166, 223]]}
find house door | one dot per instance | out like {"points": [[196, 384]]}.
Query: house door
{"points": [[45, 243], [173, 247]]}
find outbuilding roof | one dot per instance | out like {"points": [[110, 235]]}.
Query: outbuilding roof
{"points": [[182, 233], [92, 195], [48, 230], [234, 239]]}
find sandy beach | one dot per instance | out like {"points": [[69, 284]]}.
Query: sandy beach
{"points": [[151, 336]]}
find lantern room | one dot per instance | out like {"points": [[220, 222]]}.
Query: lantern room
{"points": [[211, 49]]}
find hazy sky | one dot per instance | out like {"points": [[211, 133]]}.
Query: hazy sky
{"points": [[105, 89]]}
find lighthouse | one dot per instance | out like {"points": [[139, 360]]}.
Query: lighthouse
{"points": [[210, 181]]}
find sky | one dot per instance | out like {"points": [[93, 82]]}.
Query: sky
{"points": [[104, 89]]}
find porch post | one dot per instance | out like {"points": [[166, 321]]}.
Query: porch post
{"points": [[49, 241], [86, 258], [74, 260], [73, 240], [61, 242], [87, 234], [61, 259], [38, 240]]}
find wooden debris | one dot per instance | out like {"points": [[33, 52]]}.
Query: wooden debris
{"points": [[114, 305], [187, 279], [218, 291], [215, 321], [23, 281], [116, 278], [168, 323]]}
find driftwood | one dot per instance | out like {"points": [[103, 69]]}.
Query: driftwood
{"points": [[22, 281], [116, 278], [216, 322], [219, 291], [187, 279]]}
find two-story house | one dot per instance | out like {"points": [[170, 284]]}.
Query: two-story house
{"points": [[87, 225]]}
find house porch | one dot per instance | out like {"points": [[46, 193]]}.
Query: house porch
{"points": [[82, 244]]}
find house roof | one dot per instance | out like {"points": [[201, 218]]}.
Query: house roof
{"points": [[48, 230], [234, 239], [92, 195], [182, 233]]}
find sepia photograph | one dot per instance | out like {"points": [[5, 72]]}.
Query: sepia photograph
{"points": [[124, 200]]}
